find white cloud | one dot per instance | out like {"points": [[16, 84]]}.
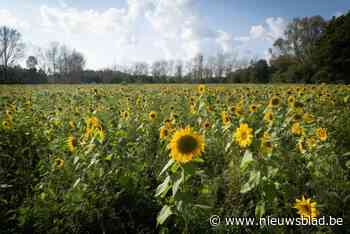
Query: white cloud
{"points": [[10, 20], [143, 30]]}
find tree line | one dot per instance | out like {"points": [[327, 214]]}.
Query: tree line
{"points": [[312, 50]]}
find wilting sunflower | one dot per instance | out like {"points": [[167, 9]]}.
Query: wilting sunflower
{"points": [[243, 135], [185, 145], [306, 208], [322, 134], [72, 143], [59, 162], [201, 89], [152, 115], [163, 132], [297, 129]]}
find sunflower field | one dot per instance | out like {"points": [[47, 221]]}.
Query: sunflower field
{"points": [[165, 158]]}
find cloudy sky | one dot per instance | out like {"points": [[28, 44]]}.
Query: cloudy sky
{"points": [[111, 32]]}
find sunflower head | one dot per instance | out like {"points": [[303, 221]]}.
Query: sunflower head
{"points": [[152, 115], [306, 208], [185, 145], [243, 135], [268, 117], [225, 117], [72, 143], [125, 114], [6, 124], [59, 162], [206, 124], [201, 89], [275, 101], [253, 108], [297, 129], [163, 132], [322, 134], [291, 100]]}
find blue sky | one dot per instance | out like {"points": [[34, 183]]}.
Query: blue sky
{"points": [[126, 31]]}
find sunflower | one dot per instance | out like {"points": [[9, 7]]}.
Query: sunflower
{"points": [[322, 134], [93, 122], [302, 145], [268, 117], [297, 129], [253, 108], [243, 135], [225, 117], [306, 208], [239, 111], [71, 124], [311, 142], [125, 114], [185, 145], [266, 144], [168, 123], [152, 115], [72, 143], [201, 89], [163, 132], [59, 162], [7, 124], [275, 101], [206, 124], [308, 118], [291, 100]]}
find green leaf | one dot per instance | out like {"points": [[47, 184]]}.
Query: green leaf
{"points": [[178, 183], [247, 159], [163, 214], [253, 181], [76, 183], [260, 209], [163, 188], [170, 162]]}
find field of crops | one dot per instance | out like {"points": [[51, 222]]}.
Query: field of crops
{"points": [[165, 158]]}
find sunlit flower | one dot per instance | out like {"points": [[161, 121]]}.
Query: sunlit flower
{"points": [[72, 143], [152, 115], [322, 134], [243, 135], [59, 162], [185, 145], [306, 208], [297, 129]]}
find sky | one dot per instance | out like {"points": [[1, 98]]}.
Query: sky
{"points": [[110, 32]]}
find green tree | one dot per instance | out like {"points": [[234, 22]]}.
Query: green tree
{"points": [[332, 53]]}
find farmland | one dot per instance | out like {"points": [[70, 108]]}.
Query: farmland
{"points": [[165, 158]]}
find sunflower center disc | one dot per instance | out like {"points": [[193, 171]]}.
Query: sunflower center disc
{"points": [[187, 144]]}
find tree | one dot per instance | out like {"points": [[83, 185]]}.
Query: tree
{"points": [[11, 47], [31, 62], [332, 53], [52, 57], [300, 38]]}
